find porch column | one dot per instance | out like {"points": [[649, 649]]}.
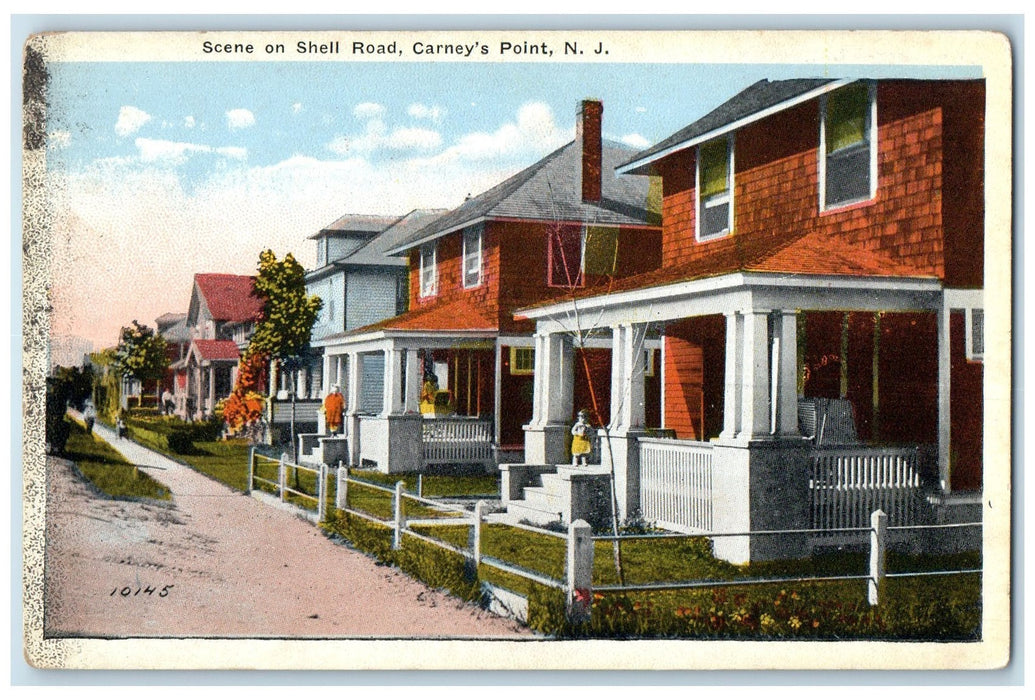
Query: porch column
{"points": [[355, 390], [392, 395], [944, 392], [325, 388], [411, 404], [211, 390], [546, 436], [734, 376], [620, 450], [627, 376], [754, 415], [497, 390], [785, 369]]}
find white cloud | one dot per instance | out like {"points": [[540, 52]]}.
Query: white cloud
{"points": [[296, 108], [176, 152], [422, 111], [59, 138], [368, 110], [377, 136], [634, 140], [240, 118], [534, 131], [188, 121], [234, 152], [130, 120], [641, 110]]}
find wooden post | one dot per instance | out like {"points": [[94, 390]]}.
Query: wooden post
{"points": [[341, 494], [321, 494], [878, 554], [282, 475], [479, 516], [579, 571], [400, 517], [251, 468], [420, 485]]}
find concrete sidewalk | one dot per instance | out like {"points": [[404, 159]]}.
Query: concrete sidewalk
{"points": [[216, 562]]}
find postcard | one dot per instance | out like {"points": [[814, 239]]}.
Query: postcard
{"points": [[496, 350]]}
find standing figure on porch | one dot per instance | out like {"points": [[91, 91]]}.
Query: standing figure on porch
{"points": [[581, 445], [333, 406]]}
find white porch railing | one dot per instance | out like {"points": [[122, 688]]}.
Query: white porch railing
{"points": [[847, 484], [457, 441], [676, 484]]}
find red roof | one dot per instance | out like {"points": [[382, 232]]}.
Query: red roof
{"points": [[229, 297], [451, 315], [216, 349], [814, 253]]}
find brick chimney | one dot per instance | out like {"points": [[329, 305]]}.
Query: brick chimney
{"points": [[587, 131]]}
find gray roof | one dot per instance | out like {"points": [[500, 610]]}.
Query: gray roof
{"points": [[549, 190], [367, 224], [375, 251], [761, 96]]}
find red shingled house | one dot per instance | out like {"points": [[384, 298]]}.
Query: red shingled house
{"points": [[562, 225], [820, 299], [220, 320]]}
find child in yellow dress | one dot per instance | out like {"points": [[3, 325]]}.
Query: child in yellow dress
{"points": [[580, 441]]}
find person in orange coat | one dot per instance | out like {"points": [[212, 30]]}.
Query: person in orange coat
{"points": [[333, 406]]}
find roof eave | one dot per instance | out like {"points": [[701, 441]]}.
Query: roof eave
{"points": [[639, 165]]}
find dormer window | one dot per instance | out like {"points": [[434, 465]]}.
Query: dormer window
{"points": [[848, 156], [472, 257], [428, 270], [715, 188]]}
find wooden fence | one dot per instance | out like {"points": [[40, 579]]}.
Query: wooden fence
{"points": [[676, 484], [457, 441], [847, 484]]}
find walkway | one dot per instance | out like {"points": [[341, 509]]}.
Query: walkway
{"points": [[228, 566]]}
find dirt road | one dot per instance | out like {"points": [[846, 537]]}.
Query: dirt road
{"points": [[215, 562]]}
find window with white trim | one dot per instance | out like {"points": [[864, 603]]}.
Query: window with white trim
{"points": [[975, 334], [428, 270], [567, 256], [522, 360], [847, 148], [715, 188], [472, 256]]}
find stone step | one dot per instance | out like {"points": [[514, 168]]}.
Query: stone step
{"points": [[536, 516], [542, 498]]}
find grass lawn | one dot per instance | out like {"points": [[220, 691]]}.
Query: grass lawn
{"points": [[437, 485], [108, 470], [225, 461]]}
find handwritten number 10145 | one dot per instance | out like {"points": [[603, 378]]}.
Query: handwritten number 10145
{"points": [[128, 591]]}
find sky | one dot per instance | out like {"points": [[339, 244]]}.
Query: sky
{"points": [[158, 171]]}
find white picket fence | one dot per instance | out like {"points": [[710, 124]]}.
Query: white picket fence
{"points": [[457, 441], [676, 484], [847, 484]]}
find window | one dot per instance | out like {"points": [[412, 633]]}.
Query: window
{"points": [[472, 257], [975, 334], [649, 368], [567, 254], [848, 162], [428, 271], [715, 188], [522, 360]]}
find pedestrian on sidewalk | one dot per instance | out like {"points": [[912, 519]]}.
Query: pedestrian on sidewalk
{"points": [[89, 416]]}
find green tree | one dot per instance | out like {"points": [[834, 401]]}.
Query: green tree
{"points": [[286, 323], [141, 354]]}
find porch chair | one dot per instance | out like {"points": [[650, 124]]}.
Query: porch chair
{"points": [[827, 421]]}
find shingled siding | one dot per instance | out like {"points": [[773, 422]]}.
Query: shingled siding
{"points": [[515, 271], [776, 192], [371, 298], [694, 377]]}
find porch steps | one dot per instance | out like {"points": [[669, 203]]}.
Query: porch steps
{"points": [[549, 498]]}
